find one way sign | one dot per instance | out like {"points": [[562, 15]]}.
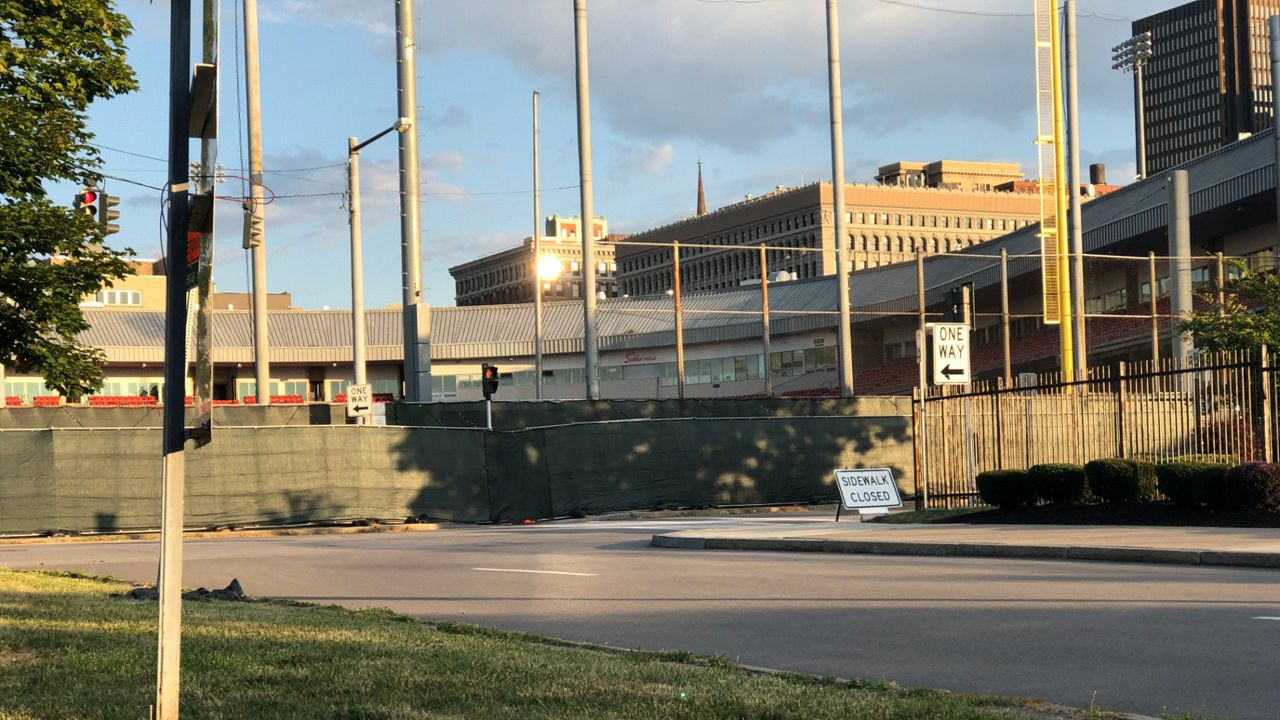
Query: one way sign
{"points": [[950, 353], [359, 401]]}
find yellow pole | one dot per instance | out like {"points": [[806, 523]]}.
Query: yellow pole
{"points": [[1060, 188]]}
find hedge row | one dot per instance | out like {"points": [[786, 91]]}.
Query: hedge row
{"points": [[1191, 482]]}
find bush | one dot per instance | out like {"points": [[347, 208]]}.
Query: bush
{"points": [[1191, 483], [1006, 488], [1059, 483], [1120, 481], [1252, 486]]}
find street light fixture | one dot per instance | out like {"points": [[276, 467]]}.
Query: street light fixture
{"points": [[1132, 56], [402, 125]]}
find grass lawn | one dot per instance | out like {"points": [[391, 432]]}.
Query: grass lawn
{"points": [[72, 647]]}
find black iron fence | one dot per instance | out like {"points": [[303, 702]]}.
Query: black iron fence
{"points": [[1211, 404]]}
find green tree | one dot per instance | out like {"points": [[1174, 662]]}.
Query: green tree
{"points": [[1248, 318], [56, 58]]}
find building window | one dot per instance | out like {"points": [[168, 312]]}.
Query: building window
{"points": [[131, 298]]}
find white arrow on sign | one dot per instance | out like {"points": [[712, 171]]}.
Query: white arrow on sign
{"points": [[950, 353]]}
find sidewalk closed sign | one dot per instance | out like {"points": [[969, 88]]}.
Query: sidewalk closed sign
{"points": [[870, 491]]}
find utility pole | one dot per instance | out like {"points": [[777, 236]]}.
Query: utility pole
{"points": [[417, 357], [1077, 232], [837, 194], [537, 261], [590, 352], [169, 634], [255, 212]]}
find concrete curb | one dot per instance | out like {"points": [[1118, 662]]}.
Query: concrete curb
{"points": [[983, 550]]}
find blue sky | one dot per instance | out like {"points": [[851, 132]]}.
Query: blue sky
{"points": [[739, 84]]}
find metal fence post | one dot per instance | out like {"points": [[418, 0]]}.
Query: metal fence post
{"points": [[917, 406], [1122, 398], [1264, 378]]}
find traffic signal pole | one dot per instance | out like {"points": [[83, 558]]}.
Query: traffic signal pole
{"points": [[169, 633]]}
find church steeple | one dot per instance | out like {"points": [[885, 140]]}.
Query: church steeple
{"points": [[702, 197]]}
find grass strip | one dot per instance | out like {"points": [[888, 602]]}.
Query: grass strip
{"points": [[72, 647]]}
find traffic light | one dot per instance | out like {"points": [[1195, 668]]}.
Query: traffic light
{"points": [[87, 202], [488, 380], [958, 299], [106, 215], [252, 236]]}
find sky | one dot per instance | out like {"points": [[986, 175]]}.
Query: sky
{"points": [[739, 84]]}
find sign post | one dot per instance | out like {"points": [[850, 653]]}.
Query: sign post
{"points": [[360, 403], [950, 353], [870, 491]]}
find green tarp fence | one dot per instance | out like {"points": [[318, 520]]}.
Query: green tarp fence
{"points": [[104, 480]]}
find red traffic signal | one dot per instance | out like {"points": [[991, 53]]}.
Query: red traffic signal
{"points": [[489, 379], [87, 202]]}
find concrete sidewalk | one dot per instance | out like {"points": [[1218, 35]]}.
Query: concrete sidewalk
{"points": [[1240, 547]]}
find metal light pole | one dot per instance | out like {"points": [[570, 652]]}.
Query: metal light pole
{"points": [[590, 352], [537, 261], [764, 320], [1274, 26], [357, 249], [1077, 232], [837, 194], [256, 211], [1132, 55], [679, 319], [357, 262], [417, 363]]}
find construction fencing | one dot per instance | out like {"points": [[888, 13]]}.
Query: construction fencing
{"points": [[109, 480], [1220, 405]]}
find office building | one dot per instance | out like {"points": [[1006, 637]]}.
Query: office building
{"points": [[507, 276], [935, 208], [1207, 82]]}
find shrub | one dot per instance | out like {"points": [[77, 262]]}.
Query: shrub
{"points": [[1122, 480], [1190, 483], [1252, 486], [1059, 483], [1006, 488]]}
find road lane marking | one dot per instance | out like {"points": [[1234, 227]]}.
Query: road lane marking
{"points": [[536, 572], [1264, 617]]}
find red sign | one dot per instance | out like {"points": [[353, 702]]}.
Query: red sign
{"points": [[631, 358], [193, 247]]}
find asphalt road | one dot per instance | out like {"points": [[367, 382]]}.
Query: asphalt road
{"points": [[1141, 638]]}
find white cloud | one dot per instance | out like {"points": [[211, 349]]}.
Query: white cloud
{"points": [[652, 160], [739, 75]]}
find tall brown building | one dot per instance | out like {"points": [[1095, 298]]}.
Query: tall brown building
{"points": [[932, 208], [1208, 80], [507, 276]]}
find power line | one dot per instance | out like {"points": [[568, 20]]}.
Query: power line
{"points": [[993, 13]]}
